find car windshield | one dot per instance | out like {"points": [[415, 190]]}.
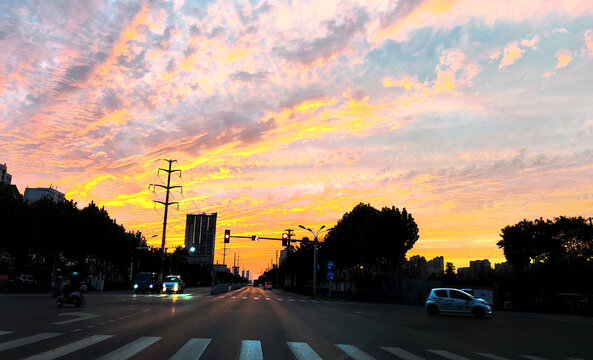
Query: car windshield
{"points": [[144, 277], [172, 278]]}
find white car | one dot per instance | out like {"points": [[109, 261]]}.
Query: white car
{"points": [[456, 301]]}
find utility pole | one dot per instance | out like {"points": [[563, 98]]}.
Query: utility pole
{"points": [[166, 203]]}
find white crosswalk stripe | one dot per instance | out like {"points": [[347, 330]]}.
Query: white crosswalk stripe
{"points": [[27, 340], [131, 349], [192, 350], [448, 355], [401, 353], [70, 348], [302, 351], [492, 356], [354, 352], [251, 350]]}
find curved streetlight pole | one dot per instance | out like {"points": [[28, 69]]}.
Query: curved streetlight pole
{"points": [[315, 234]]}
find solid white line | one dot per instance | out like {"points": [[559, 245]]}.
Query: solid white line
{"points": [[447, 355], [492, 356], [27, 340], [401, 353], [251, 350], [131, 349], [70, 348], [302, 351], [354, 352], [193, 349]]}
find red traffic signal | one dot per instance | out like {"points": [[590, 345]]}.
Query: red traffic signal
{"points": [[284, 239], [227, 236], [254, 237]]}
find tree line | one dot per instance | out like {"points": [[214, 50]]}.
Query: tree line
{"points": [[48, 235]]}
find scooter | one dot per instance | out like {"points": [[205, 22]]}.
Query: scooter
{"points": [[75, 297]]}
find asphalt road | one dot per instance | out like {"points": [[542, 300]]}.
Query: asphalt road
{"points": [[251, 323]]}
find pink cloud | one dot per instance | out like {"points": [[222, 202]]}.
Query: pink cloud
{"points": [[530, 43], [589, 42]]}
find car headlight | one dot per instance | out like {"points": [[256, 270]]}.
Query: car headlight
{"points": [[164, 287], [150, 286], [175, 287], [135, 286]]}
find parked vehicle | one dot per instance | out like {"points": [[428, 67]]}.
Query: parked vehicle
{"points": [[28, 279], [173, 284], [456, 301], [146, 282]]}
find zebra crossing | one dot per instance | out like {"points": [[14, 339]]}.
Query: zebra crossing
{"points": [[194, 349]]}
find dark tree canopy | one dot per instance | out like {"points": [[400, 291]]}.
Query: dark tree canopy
{"points": [[369, 238]]}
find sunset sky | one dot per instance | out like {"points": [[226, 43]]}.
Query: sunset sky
{"points": [[472, 115]]}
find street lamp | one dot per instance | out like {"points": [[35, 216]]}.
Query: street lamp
{"points": [[315, 234]]}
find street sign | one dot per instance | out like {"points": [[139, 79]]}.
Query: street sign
{"points": [[330, 265], [330, 275]]}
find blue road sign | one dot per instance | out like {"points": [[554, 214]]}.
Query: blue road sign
{"points": [[330, 275], [330, 265]]}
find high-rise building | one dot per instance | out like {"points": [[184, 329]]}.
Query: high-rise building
{"points": [[5, 177], [435, 266], [247, 275], [35, 194], [480, 267], [417, 267], [200, 232]]}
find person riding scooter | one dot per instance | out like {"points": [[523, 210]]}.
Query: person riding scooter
{"points": [[71, 291]]}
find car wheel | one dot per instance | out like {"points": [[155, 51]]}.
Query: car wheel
{"points": [[478, 311], [432, 309]]}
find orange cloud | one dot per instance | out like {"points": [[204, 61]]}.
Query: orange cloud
{"points": [[512, 52], [530, 43], [564, 58]]}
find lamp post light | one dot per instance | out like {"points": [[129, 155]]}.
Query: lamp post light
{"points": [[315, 239]]}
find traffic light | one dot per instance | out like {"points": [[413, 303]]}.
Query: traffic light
{"points": [[254, 237], [227, 236], [284, 239]]}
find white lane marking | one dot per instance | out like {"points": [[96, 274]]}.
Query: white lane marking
{"points": [[6, 332], [401, 353], [289, 299], [256, 298], [279, 299], [251, 350], [447, 355], [80, 316], [301, 300], [268, 299], [492, 356], [70, 348], [193, 349], [532, 357], [315, 301], [27, 340], [233, 297], [244, 298], [131, 349], [354, 352], [364, 313], [302, 351]]}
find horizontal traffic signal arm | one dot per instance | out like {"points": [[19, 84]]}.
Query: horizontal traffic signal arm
{"points": [[261, 238]]}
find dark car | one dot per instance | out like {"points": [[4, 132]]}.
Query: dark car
{"points": [[146, 282]]}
